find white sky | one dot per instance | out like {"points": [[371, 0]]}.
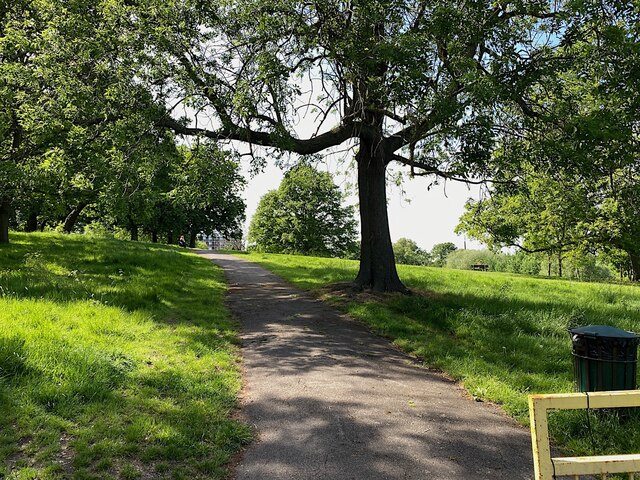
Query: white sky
{"points": [[425, 216], [428, 217]]}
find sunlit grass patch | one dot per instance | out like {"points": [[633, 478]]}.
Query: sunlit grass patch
{"points": [[117, 360], [502, 336]]}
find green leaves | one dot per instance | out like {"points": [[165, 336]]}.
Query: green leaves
{"points": [[206, 193], [305, 216], [407, 252]]}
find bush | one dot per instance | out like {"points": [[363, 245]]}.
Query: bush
{"points": [[584, 267], [98, 230], [520, 262], [407, 252]]}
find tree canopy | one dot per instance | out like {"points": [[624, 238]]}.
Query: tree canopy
{"points": [[436, 87], [441, 251], [428, 85], [407, 252], [79, 137], [71, 105], [573, 177], [304, 215]]}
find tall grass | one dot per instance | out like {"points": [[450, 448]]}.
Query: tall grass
{"points": [[117, 360], [503, 336]]}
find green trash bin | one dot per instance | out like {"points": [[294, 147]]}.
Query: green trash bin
{"points": [[604, 358]]}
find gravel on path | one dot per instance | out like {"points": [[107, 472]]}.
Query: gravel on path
{"points": [[330, 400]]}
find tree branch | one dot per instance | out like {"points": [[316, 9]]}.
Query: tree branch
{"points": [[283, 141], [431, 170]]}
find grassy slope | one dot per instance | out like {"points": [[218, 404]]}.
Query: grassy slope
{"points": [[117, 360], [504, 336]]}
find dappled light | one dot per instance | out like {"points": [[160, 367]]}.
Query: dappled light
{"points": [[504, 336], [332, 400], [114, 357]]}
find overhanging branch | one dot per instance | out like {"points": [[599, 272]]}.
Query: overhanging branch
{"points": [[308, 146], [431, 170]]}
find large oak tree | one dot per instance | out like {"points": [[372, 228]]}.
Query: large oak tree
{"points": [[425, 84]]}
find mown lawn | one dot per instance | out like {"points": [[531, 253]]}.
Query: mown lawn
{"points": [[117, 360], [503, 336]]}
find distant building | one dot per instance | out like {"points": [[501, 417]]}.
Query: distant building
{"points": [[217, 241]]}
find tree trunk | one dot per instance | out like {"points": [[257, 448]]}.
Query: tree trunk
{"points": [[377, 261], [635, 267], [154, 236], [560, 265], [170, 237], [133, 228], [32, 222], [4, 219], [72, 218], [192, 238]]}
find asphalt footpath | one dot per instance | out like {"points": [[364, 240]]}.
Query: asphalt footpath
{"points": [[330, 400]]}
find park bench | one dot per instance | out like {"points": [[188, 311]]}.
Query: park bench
{"points": [[481, 267]]}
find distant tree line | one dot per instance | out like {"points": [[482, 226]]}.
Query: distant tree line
{"points": [[408, 252], [166, 193], [576, 264]]}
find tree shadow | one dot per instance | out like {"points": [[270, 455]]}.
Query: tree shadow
{"points": [[512, 346], [307, 438], [159, 392], [414, 423]]}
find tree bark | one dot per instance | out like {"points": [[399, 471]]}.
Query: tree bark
{"points": [[73, 216], [133, 228], [192, 238], [4, 219], [154, 236], [560, 264], [377, 261], [170, 237], [635, 267], [32, 222]]}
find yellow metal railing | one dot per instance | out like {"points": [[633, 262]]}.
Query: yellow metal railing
{"points": [[548, 468]]}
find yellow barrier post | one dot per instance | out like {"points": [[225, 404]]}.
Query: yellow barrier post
{"points": [[546, 467]]}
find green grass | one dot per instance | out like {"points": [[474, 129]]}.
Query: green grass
{"points": [[503, 336], [117, 360]]}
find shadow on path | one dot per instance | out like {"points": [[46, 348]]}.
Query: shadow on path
{"points": [[330, 400]]}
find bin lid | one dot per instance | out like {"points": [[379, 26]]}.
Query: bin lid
{"points": [[602, 331]]}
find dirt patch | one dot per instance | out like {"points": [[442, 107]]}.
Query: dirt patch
{"points": [[19, 456], [65, 457], [349, 291]]}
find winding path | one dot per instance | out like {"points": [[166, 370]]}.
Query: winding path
{"points": [[330, 400]]}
